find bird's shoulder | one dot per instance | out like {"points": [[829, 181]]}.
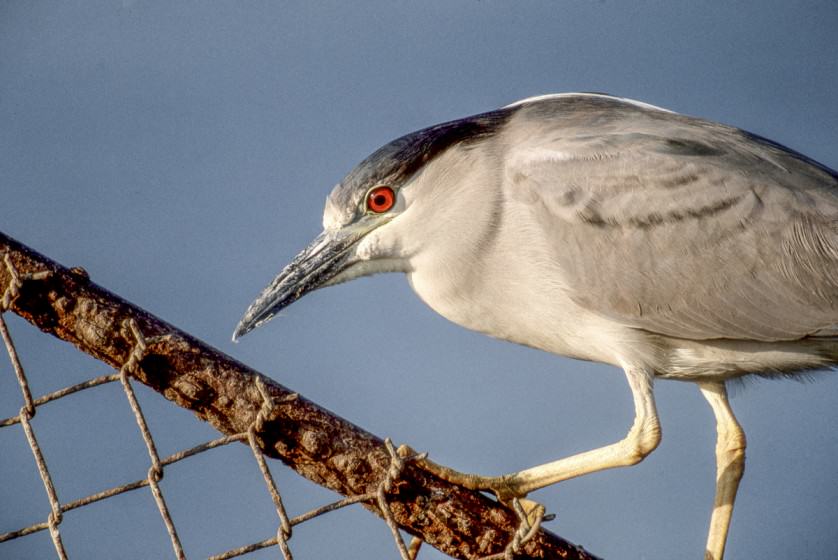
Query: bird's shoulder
{"points": [[600, 159]]}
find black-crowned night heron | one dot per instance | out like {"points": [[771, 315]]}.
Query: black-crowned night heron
{"points": [[602, 229]]}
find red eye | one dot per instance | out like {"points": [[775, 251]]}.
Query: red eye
{"points": [[381, 199]]}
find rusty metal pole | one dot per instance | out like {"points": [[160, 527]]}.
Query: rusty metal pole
{"points": [[316, 443]]}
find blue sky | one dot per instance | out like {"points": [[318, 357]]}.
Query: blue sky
{"points": [[182, 152]]}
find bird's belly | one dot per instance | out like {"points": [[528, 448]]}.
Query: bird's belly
{"points": [[548, 320], [542, 315]]}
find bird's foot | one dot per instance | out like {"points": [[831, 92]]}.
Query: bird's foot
{"points": [[507, 488]]}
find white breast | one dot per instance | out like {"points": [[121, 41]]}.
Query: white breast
{"points": [[516, 295]]}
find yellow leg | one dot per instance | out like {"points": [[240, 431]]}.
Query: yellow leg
{"points": [[730, 465], [642, 439]]}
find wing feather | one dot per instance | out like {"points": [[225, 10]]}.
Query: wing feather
{"points": [[681, 226]]}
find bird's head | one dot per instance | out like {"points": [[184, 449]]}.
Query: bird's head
{"points": [[374, 218]]}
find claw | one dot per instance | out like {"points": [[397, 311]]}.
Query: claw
{"points": [[531, 510], [405, 451], [506, 488]]}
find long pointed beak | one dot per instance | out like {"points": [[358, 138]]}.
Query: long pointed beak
{"points": [[322, 260]]}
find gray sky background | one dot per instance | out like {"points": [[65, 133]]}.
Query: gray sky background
{"points": [[181, 152]]}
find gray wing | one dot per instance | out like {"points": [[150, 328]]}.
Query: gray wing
{"points": [[684, 227]]}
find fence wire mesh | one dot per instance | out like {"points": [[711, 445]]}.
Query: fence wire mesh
{"points": [[526, 528]]}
